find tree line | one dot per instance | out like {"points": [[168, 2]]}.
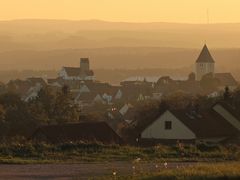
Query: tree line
{"points": [[19, 118], [22, 118]]}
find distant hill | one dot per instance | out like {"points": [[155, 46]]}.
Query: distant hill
{"points": [[51, 44], [62, 34]]}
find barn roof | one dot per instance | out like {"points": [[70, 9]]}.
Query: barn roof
{"points": [[205, 56], [86, 132]]}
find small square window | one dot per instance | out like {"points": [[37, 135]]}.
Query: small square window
{"points": [[168, 125]]}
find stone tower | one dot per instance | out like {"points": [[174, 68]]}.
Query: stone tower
{"points": [[204, 64], [84, 64]]}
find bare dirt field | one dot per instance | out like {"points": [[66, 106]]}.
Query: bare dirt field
{"points": [[78, 171]]}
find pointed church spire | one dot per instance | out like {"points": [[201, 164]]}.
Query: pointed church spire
{"points": [[205, 56]]}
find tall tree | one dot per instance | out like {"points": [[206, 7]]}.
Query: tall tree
{"points": [[64, 108]]}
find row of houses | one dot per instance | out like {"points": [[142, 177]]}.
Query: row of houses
{"points": [[217, 124], [86, 91], [220, 124], [90, 92]]}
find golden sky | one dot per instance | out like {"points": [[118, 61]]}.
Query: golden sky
{"points": [[190, 11]]}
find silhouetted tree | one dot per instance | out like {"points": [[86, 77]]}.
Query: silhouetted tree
{"points": [[64, 109], [65, 90], [226, 94], [46, 100], [10, 99]]}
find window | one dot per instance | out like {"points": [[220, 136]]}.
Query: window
{"points": [[168, 125]]}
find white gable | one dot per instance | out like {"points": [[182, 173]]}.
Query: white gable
{"points": [[84, 88], [157, 129], [227, 116], [98, 98], [63, 74], [118, 94], [107, 97], [33, 92]]}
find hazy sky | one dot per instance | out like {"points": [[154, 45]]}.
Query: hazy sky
{"points": [[191, 11]]}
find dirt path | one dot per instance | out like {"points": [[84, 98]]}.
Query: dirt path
{"points": [[77, 171]]}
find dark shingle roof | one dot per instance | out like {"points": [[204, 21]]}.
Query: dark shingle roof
{"points": [[207, 124], [205, 56], [86, 132], [229, 108]]}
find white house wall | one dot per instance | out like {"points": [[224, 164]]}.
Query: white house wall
{"points": [[157, 129], [119, 94], [84, 88]]}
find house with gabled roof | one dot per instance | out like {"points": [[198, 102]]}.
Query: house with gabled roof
{"points": [[187, 126], [32, 93], [27, 89], [88, 98], [107, 92]]}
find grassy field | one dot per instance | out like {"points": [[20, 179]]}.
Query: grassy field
{"points": [[82, 152], [198, 172]]}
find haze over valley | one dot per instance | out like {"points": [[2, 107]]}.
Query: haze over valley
{"points": [[51, 44]]}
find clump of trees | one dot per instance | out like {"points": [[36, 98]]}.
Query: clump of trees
{"points": [[19, 118]]}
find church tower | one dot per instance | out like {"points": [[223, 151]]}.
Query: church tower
{"points": [[204, 64]]}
